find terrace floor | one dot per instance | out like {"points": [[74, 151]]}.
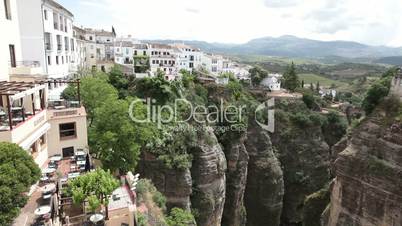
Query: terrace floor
{"points": [[27, 216]]}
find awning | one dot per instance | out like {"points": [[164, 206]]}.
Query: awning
{"points": [[27, 143]]}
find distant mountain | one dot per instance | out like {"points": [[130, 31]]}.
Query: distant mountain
{"points": [[291, 46], [392, 60]]}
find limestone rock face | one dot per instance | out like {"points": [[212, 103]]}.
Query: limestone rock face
{"points": [[174, 184], [305, 158], [234, 213], [367, 190], [209, 180], [265, 188]]}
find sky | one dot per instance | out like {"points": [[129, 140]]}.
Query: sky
{"points": [[373, 22]]}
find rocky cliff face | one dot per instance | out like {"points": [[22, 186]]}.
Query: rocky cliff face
{"points": [[305, 157], [202, 187], [176, 185], [367, 190], [265, 188], [209, 181], [237, 158]]}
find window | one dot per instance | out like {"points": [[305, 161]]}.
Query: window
{"points": [[67, 131], [58, 37], [45, 14], [7, 9], [12, 56], [57, 59], [135, 52], [55, 21], [66, 44], [144, 53], [68, 152], [42, 140], [72, 45], [48, 41], [49, 60], [90, 38]]}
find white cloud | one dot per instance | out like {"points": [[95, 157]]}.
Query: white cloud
{"points": [[237, 21]]}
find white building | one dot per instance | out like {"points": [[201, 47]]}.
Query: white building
{"points": [[98, 48], [187, 57], [46, 29], [10, 45], [163, 58], [272, 81], [124, 52]]}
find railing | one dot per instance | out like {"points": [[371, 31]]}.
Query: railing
{"points": [[26, 63], [48, 46]]}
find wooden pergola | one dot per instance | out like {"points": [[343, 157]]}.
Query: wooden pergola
{"points": [[11, 91]]}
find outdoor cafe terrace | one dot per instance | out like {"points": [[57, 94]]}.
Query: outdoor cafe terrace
{"points": [[21, 101]]}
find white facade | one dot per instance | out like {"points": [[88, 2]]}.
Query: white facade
{"points": [[124, 52], [47, 36], [10, 45], [187, 57], [272, 82], [163, 57]]}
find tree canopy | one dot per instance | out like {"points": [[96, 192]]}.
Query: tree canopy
{"points": [[180, 217], [257, 74], [290, 79], [94, 187], [18, 172]]}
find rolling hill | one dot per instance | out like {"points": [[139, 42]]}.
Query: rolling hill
{"points": [[291, 46]]}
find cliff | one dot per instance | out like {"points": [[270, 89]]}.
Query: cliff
{"points": [[367, 190], [265, 188], [209, 181]]}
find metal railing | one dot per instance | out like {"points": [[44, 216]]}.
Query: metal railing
{"points": [[26, 63]]}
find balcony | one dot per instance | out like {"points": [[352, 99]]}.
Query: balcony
{"points": [[22, 110], [48, 46], [26, 68]]}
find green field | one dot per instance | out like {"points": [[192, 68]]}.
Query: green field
{"points": [[313, 78]]}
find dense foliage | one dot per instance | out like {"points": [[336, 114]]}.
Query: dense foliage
{"points": [[18, 172], [378, 91], [257, 74], [94, 187], [290, 79], [180, 217]]}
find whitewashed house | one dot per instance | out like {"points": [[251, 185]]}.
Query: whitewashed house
{"points": [[46, 36], [10, 46], [188, 57], [272, 82], [163, 57]]}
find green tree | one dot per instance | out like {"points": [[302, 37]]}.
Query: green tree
{"points": [[18, 172], [317, 87], [119, 81], [257, 74], [115, 138], [94, 187], [374, 96], [290, 79], [95, 92], [378, 91], [70, 93], [180, 217]]}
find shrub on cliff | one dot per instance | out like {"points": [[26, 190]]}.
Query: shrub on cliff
{"points": [[378, 91]]}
